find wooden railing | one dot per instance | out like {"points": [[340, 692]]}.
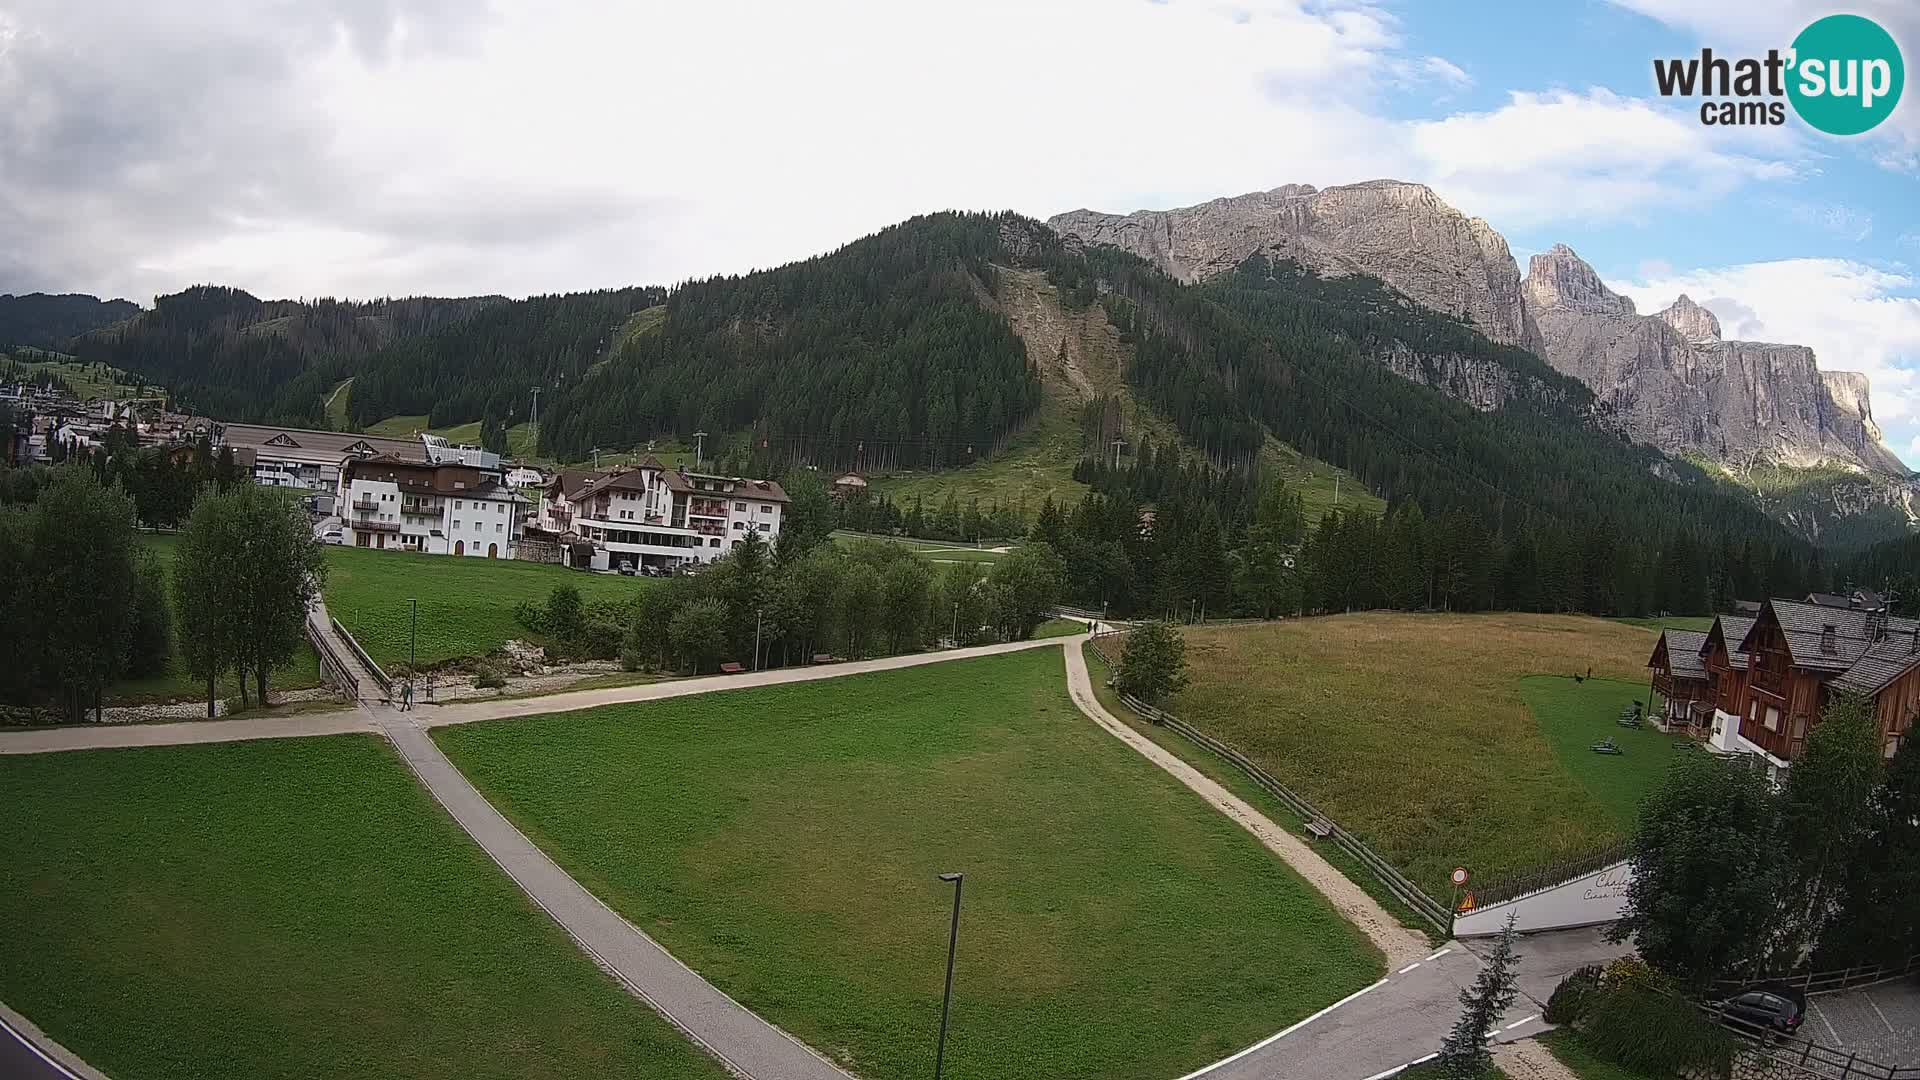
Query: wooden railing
{"points": [[1809, 1057], [1398, 884], [332, 663], [1829, 980], [379, 675]]}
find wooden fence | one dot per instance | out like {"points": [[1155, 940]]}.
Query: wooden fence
{"points": [[1830, 980], [1396, 883], [1504, 889], [332, 663]]}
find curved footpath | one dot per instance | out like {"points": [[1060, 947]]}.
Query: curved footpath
{"points": [[1363, 1037]]}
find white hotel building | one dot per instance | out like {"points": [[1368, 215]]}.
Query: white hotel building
{"points": [[652, 516], [455, 503]]}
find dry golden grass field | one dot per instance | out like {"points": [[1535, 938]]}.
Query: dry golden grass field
{"points": [[1412, 730]]}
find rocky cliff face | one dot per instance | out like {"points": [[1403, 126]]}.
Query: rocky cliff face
{"points": [[1398, 232], [1675, 384]]}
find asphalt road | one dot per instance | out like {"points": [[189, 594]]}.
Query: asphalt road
{"points": [[20, 1059]]}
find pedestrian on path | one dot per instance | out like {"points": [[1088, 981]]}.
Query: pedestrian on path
{"points": [[406, 697]]}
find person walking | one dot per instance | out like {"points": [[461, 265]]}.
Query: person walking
{"points": [[406, 697]]}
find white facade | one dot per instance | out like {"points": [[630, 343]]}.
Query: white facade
{"points": [[650, 517], [482, 524]]}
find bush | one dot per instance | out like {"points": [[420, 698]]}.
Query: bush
{"points": [[489, 677], [1656, 1034], [1574, 996], [530, 615], [1154, 666]]}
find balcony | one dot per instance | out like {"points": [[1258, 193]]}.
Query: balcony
{"points": [[1769, 681], [366, 525], [365, 502], [415, 505]]}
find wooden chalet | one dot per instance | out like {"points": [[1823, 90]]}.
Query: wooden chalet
{"points": [[1680, 679], [1726, 676], [1801, 653]]}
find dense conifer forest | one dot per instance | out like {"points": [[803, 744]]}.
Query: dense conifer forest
{"points": [[227, 354], [46, 321], [883, 353]]}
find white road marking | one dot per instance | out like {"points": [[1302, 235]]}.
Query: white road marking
{"points": [[1398, 1069], [1408, 968], [1868, 994], [1441, 953], [1517, 1023], [37, 1052], [1834, 1035], [1274, 1038]]}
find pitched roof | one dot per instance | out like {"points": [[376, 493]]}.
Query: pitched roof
{"points": [[1682, 648], [1880, 665], [330, 444], [1732, 631], [1805, 627]]}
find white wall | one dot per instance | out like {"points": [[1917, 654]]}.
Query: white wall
{"points": [[1599, 897]]}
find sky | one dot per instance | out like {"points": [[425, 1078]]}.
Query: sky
{"points": [[391, 147]]}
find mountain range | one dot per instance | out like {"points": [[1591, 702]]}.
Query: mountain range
{"points": [[1258, 327], [1762, 414]]}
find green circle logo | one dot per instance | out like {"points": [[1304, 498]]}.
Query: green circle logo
{"points": [[1846, 75]]}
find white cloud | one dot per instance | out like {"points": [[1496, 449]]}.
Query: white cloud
{"points": [[1855, 317], [1561, 155], [411, 146], [1844, 221]]}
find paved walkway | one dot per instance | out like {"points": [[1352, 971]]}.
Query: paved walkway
{"points": [[26, 1053], [751, 1046]]}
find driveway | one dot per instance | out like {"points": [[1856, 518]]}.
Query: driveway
{"points": [[1879, 1023]]}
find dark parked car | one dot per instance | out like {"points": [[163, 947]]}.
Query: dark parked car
{"points": [[1773, 1008]]}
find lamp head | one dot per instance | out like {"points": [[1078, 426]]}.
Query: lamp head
{"points": [[951, 877]]}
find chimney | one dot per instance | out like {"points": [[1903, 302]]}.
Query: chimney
{"points": [[1914, 646], [1829, 643], [1877, 624]]}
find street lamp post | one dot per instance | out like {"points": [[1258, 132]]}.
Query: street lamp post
{"points": [[946, 1001], [757, 614], [413, 636]]}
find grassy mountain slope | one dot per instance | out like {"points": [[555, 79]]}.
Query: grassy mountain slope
{"points": [[1839, 509]]}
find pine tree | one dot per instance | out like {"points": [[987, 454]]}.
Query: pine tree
{"points": [[1464, 1055]]}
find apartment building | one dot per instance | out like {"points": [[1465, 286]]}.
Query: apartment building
{"points": [[652, 517], [440, 508]]}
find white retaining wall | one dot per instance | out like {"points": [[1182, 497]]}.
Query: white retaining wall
{"points": [[1599, 897]]}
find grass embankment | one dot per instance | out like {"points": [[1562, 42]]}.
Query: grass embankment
{"points": [[466, 604], [1413, 732], [291, 908], [785, 842], [1229, 776], [176, 685], [1565, 1045]]}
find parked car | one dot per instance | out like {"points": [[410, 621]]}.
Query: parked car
{"points": [[333, 536], [1774, 1008], [626, 568]]}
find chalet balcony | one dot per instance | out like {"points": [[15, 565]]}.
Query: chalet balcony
{"points": [[365, 502], [1769, 681], [362, 525]]}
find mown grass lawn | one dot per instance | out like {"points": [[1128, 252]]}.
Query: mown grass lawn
{"points": [[294, 908], [1575, 716], [785, 842], [1411, 729], [466, 604]]}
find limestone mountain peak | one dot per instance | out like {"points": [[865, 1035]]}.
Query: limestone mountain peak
{"points": [[1691, 321]]}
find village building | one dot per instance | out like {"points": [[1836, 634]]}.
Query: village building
{"points": [[1769, 677], [449, 507], [848, 485], [650, 517]]}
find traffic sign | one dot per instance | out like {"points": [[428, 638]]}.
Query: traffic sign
{"points": [[1459, 875]]}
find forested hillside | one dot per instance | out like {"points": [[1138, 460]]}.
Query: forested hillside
{"points": [[1890, 566], [880, 352], [228, 354], [1540, 478], [483, 367], [47, 321]]}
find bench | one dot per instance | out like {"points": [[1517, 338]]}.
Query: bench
{"points": [[1320, 827], [731, 669]]}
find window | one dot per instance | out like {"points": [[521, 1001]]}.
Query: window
{"points": [[499, 526], [458, 505], [1772, 722], [456, 523], [765, 508], [739, 506], [715, 542]]}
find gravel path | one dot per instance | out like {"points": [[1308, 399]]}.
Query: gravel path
{"points": [[1400, 944], [749, 1045]]}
